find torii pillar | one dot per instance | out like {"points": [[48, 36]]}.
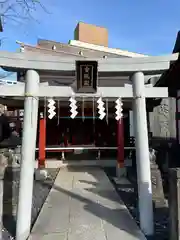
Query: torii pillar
{"points": [[142, 154], [28, 155]]}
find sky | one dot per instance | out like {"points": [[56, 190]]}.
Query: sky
{"points": [[148, 27]]}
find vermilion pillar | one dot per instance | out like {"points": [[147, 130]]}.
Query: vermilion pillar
{"points": [[120, 143], [42, 142]]}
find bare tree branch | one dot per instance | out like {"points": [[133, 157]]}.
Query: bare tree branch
{"points": [[19, 10]]}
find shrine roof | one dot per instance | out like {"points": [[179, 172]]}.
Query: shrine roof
{"points": [[114, 65], [77, 48], [82, 50], [170, 77]]}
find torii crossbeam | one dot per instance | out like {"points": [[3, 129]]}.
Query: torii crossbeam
{"points": [[65, 92], [136, 68]]}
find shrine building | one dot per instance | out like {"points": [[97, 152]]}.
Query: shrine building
{"points": [[89, 41]]}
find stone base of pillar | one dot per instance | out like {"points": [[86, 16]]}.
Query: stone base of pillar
{"points": [[40, 174], [157, 186], [121, 172]]}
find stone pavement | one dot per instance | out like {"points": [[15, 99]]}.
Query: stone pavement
{"points": [[83, 205]]}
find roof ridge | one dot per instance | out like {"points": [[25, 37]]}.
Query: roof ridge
{"points": [[117, 51]]}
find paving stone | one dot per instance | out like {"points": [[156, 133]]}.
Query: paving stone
{"points": [[83, 205], [50, 236]]}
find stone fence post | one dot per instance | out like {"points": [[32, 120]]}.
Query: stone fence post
{"points": [[174, 203]]}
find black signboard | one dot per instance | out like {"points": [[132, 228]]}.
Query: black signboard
{"points": [[86, 76]]}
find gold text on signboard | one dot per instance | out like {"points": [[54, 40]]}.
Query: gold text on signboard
{"points": [[86, 76]]}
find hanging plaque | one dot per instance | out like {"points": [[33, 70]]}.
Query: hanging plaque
{"points": [[86, 76]]}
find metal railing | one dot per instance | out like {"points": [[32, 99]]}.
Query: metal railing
{"points": [[83, 148], [80, 150]]}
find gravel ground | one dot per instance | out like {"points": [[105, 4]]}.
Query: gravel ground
{"points": [[11, 184], [129, 197]]}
